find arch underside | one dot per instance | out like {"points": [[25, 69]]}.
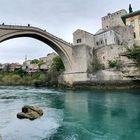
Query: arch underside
{"points": [[47, 40]]}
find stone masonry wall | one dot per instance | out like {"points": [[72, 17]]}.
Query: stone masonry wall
{"points": [[83, 37], [113, 19], [111, 52]]}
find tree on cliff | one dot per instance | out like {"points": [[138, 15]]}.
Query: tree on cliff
{"points": [[55, 71], [57, 64]]}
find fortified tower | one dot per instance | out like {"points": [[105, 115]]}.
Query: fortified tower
{"points": [[113, 19]]}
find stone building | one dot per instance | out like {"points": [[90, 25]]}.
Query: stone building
{"points": [[26, 65], [112, 39], [48, 60], [119, 35], [83, 37], [107, 37], [14, 66], [113, 32], [104, 48], [133, 19], [29, 67], [32, 68], [113, 19]]}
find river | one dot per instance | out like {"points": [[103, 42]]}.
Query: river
{"points": [[71, 115]]}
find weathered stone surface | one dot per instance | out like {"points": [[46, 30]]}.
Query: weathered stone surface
{"points": [[30, 112]]}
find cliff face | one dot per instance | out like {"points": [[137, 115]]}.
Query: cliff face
{"points": [[114, 64]]}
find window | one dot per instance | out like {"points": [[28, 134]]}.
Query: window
{"points": [[118, 42], [79, 40], [105, 41], [97, 43], [101, 42], [134, 35]]}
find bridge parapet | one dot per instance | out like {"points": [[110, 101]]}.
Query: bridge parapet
{"points": [[63, 48], [32, 28]]}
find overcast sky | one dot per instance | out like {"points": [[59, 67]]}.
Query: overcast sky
{"points": [[59, 17]]}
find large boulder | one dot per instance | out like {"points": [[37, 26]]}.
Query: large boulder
{"points": [[30, 112]]}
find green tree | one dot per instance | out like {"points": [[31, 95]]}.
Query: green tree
{"points": [[40, 63], [35, 61], [57, 64]]}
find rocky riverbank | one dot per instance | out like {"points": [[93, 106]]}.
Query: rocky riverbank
{"points": [[107, 85], [51, 80]]}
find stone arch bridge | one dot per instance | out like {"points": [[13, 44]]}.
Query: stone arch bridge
{"points": [[73, 57]]}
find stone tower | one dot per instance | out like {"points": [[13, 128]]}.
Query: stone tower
{"points": [[113, 19]]}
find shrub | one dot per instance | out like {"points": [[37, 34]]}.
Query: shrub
{"points": [[15, 77], [6, 79], [112, 63], [42, 77], [115, 64], [95, 64], [134, 54]]}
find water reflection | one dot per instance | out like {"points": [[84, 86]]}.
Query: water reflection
{"points": [[71, 115], [100, 115]]}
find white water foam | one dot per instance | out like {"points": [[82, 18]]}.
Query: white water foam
{"points": [[38, 129]]}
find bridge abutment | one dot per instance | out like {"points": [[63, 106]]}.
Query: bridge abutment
{"points": [[70, 78], [81, 55]]}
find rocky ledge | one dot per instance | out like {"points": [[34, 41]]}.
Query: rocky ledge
{"points": [[30, 112]]}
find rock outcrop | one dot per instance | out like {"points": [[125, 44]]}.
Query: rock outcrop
{"points": [[30, 112]]}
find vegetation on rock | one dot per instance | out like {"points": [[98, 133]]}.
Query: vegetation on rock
{"points": [[115, 64], [135, 55], [96, 65]]}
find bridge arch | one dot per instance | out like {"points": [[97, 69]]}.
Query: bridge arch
{"points": [[63, 48]]}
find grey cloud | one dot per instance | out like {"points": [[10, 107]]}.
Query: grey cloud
{"points": [[60, 17]]}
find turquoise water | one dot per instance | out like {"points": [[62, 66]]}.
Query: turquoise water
{"points": [[71, 115]]}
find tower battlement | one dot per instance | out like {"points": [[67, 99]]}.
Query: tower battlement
{"points": [[113, 19]]}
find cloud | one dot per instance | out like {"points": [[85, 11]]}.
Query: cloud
{"points": [[14, 50], [60, 17]]}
